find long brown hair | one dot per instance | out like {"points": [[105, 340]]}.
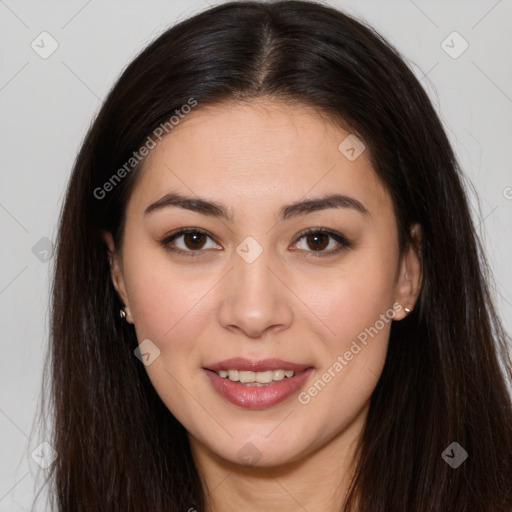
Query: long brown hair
{"points": [[119, 447]]}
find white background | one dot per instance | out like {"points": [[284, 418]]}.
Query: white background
{"points": [[47, 104]]}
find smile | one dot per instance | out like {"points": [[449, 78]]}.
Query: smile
{"points": [[257, 384], [249, 377]]}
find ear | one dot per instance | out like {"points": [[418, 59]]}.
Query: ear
{"points": [[116, 273], [409, 273]]}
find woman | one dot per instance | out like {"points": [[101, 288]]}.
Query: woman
{"points": [[268, 292]]}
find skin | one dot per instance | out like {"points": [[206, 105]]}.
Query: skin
{"points": [[290, 304]]}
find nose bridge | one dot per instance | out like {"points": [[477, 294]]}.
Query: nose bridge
{"points": [[254, 279], [254, 298]]}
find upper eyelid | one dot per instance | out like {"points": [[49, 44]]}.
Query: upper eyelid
{"points": [[184, 231]]}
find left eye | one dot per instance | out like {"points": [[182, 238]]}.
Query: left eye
{"points": [[317, 241]]}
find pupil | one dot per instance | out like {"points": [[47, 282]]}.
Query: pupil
{"points": [[316, 240], [195, 239]]}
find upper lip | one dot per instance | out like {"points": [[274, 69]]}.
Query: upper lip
{"points": [[260, 365]]}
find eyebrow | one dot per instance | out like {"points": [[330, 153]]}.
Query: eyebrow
{"points": [[215, 209]]}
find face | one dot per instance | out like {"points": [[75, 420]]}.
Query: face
{"points": [[254, 289]]}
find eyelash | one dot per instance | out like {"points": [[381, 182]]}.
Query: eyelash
{"points": [[338, 237]]}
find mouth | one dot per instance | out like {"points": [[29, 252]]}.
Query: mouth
{"points": [[257, 384], [250, 378]]}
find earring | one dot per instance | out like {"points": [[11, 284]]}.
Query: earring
{"points": [[407, 310], [122, 313]]}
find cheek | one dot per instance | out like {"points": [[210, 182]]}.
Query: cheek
{"points": [[356, 306], [163, 297], [171, 306], [168, 307], [354, 298], [358, 314]]}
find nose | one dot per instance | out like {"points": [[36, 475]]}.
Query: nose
{"points": [[255, 298]]}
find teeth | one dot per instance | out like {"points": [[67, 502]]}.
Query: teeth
{"points": [[246, 376], [264, 377], [279, 374], [256, 377]]}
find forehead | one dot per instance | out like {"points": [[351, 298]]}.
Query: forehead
{"points": [[255, 153]]}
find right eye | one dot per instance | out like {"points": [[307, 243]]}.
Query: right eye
{"points": [[193, 240]]}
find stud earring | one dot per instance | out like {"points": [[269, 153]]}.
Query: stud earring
{"points": [[407, 310], [122, 313]]}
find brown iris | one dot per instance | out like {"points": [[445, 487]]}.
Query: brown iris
{"points": [[316, 238], [195, 240]]}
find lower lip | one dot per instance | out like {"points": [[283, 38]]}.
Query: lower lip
{"points": [[257, 397]]}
